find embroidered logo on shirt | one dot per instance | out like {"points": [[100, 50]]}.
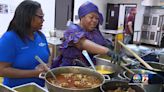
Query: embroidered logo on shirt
{"points": [[24, 47], [42, 44]]}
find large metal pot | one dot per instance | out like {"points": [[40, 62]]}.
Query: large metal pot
{"points": [[105, 70], [73, 69], [156, 65], [107, 62], [147, 87], [113, 85]]}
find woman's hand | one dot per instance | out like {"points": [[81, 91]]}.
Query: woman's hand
{"points": [[115, 58], [41, 68]]}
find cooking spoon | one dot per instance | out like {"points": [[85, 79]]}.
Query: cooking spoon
{"points": [[85, 53], [41, 62], [139, 59]]}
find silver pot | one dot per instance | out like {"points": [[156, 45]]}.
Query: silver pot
{"points": [[113, 85], [156, 65], [106, 62], [73, 69], [147, 87]]}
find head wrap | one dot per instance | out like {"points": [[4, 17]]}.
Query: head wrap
{"points": [[87, 8]]}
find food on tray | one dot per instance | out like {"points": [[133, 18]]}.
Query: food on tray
{"points": [[75, 80]]}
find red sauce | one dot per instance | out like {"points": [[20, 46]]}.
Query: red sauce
{"points": [[77, 81]]}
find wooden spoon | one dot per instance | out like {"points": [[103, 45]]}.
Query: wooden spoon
{"points": [[139, 59]]}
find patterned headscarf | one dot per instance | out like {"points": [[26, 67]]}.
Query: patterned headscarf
{"points": [[87, 8]]}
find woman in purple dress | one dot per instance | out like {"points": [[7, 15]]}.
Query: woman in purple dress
{"points": [[84, 36]]}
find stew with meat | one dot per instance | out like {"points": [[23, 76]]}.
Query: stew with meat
{"points": [[75, 80]]}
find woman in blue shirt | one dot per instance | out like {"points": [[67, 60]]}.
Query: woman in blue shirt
{"points": [[20, 44]]}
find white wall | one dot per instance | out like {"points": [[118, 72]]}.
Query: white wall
{"points": [[48, 7], [6, 17]]}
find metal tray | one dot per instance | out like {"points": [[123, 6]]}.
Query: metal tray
{"points": [[4, 88], [29, 87]]}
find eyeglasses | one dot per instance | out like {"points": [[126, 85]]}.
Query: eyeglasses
{"points": [[40, 16]]}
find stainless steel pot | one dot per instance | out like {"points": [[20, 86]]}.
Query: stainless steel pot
{"points": [[156, 65], [147, 87], [106, 62], [113, 85], [73, 69], [104, 69]]}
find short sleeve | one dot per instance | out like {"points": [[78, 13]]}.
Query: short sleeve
{"points": [[7, 47], [72, 35]]}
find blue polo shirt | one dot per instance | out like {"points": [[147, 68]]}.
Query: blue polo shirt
{"points": [[21, 55]]}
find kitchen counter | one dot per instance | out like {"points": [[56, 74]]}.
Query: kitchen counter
{"points": [[114, 32], [54, 40], [53, 43]]}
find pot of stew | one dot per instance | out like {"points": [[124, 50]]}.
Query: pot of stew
{"points": [[74, 79]]}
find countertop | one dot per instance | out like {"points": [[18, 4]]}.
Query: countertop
{"points": [[54, 40], [112, 31]]}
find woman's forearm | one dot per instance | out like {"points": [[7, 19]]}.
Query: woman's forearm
{"points": [[17, 73], [92, 47]]}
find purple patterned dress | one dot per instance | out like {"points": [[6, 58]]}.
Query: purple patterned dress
{"points": [[69, 52]]}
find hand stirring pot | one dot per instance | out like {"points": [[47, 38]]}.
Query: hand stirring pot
{"points": [[41, 62]]}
